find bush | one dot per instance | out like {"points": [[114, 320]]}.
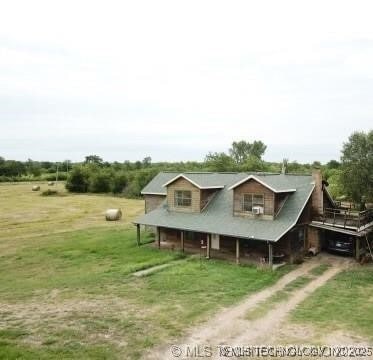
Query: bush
{"points": [[120, 182], [100, 182], [49, 192], [78, 180]]}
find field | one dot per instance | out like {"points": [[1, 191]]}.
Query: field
{"points": [[26, 214], [67, 288]]}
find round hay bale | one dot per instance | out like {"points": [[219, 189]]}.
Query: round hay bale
{"points": [[113, 214], [50, 183], [36, 188]]}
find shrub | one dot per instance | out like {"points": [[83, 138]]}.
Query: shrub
{"points": [[100, 182], [49, 192], [78, 180], [120, 182]]}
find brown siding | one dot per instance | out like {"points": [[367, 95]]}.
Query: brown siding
{"points": [[206, 196], [279, 201], [253, 187], [182, 184], [153, 201]]}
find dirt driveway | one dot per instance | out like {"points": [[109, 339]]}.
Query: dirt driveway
{"points": [[232, 326]]}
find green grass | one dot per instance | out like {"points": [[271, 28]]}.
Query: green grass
{"points": [[345, 303], [73, 295], [280, 296], [319, 270], [84, 259]]}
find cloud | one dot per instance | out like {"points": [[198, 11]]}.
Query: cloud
{"points": [[187, 76]]}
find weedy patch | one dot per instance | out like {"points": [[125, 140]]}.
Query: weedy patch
{"points": [[344, 303]]}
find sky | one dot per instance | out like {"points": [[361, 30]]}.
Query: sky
{"points": [[175, 80]]}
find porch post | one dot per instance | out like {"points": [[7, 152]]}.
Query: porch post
{"points": [[270, 255], [138, 234], [208, 246], [182, 240], [357, 248], [237, 251], [159, 237]]}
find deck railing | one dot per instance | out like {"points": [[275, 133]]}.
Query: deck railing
{"points": [[346, 218]]}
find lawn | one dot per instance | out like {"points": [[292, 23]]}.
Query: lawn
{"points": [[344, 303], [69, 291]]}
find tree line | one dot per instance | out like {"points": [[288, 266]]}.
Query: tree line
{"points": [[351, 178]]}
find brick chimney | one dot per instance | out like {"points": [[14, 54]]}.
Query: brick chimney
{"points": [[318, 193]]}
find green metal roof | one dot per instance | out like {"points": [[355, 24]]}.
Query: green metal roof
{"points": [[218, 216]]}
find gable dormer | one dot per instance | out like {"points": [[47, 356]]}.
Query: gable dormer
{"points": [[185, 194], [253, 197]]}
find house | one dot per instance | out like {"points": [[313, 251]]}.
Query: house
{"points": [[249, 217]]}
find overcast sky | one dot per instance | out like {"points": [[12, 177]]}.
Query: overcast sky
{"points": [[177, 79]]}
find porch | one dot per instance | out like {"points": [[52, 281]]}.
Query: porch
{"points": [[345, 218], [239, 250]]}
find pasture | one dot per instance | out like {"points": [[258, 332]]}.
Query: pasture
{"points": [[67, 288]]}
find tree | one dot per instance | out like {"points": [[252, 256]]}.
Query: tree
{"points": [[100, 182], [239, 151], [93, 159], [147, 161], [253, 163], [219, 162], [78, 180], [12, 168], [258, 149], [242, 150], [333, 164], [33, 167], [120, 181], [357, 167]]}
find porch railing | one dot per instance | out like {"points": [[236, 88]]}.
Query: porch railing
{"points": [[346, 218]]}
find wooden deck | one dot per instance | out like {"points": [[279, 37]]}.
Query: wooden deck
{"points": [[346, 219]]}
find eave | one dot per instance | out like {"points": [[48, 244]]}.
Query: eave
{"points": [[192, 182], [252, 177]]}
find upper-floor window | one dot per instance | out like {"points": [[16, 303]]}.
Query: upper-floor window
{"points": [[183, 198], [251, 200]]}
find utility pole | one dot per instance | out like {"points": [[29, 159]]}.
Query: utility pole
{"points": [[57, 176]]}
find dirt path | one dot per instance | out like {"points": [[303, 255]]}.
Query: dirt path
{"points": [[231, 327]]}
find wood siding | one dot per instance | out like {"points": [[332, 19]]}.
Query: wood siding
{"points": [[253, 187], [279, 201], [182, 184], [206, 196], [153, 201]]}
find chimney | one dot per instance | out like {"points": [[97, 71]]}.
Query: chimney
{"points": [[284, 165], [318, 193]]}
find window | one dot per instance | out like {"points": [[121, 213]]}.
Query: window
{"points": [[258, 200], [251, 200], [183, 198], [247, 203]]}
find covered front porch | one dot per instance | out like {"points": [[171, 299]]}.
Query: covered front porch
{"points": [[239, 250]]}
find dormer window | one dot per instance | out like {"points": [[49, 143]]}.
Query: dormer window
{"points": [[183, 198], [250, 201]]}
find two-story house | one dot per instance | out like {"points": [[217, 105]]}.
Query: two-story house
{"points": [[249, 217]]}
